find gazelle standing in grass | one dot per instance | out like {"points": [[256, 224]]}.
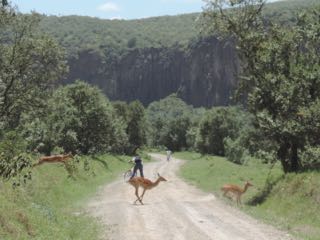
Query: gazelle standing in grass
{"points": [[236, 190], [144, 183]]}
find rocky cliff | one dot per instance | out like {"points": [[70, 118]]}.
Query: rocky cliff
{"points": [[202, 75]]}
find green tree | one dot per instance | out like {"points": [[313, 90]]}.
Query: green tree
{"points": [[133, 120], [4, 2], [136, 128], [78, 118], [30, 63], [217, 124], [280, 72], [52, 126], [14, 162], [132, 42], [169, 121]]}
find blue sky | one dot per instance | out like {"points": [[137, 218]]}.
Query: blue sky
{"points": [[111, 9]]}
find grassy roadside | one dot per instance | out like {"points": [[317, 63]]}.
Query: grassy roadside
{"points": [[49, 206], [290, 201]]}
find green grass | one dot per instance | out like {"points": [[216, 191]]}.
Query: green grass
{"points": [[291, 202], [50, 205]]}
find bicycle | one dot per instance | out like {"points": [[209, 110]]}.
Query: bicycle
{"points": [[127, 174]]}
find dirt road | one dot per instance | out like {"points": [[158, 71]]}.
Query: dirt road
{"points": [[173, 210]]}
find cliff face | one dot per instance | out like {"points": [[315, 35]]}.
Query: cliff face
{"points": [[202, 75]]}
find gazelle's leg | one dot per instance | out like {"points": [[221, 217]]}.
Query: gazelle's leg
{"points": [[224, 193], [136, 192], [144, 190], [140, 199], [238, 199]]}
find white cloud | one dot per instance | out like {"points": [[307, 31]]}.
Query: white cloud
{"points": [[181, 1], [116, 18], [109, 7]]}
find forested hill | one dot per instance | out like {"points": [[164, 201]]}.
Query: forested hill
{"points": [[78, 33], [150, 58]]}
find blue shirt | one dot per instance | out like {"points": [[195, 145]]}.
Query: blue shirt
{"points": [[137, 160]]}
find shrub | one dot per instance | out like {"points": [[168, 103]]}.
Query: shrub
{"points": [[310, 157], [14, 163], [234, 151]]}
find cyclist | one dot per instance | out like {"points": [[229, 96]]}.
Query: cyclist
{"points": [[169, 153], [138, 165]]}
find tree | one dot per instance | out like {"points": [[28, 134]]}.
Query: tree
{"points": [[30, 63], [169, 120], [79, 118], [217, 124], [4, 3], [132, 42], [52, 126], [14, 162], [280, 77], [136, 128], [133, 120]]}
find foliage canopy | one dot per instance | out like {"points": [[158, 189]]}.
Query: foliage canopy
{"points": [[281, 76]]}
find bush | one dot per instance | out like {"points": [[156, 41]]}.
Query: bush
{"points": [[191, 137], [17, 168], [310, 157], [169, 120], [266, 156], [14, 163], [217, 124], [234, 151], [12, 144], [79, 119]]}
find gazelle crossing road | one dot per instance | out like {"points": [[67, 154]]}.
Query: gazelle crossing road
{"points": [[174, 210]]}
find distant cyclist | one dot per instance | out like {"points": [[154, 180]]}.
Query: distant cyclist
{"points": [[169, 153], [138, 165]]}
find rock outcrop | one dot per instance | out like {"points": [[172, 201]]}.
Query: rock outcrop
{"points": [[204, 74]]}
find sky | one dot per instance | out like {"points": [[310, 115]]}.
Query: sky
{"points": [[111, 9]]}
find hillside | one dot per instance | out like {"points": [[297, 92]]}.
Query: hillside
{"points": [[79, 33], [127, 58]]}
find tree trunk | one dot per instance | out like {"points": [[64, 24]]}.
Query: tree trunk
{"points": [[283, 156], [294, 160], [288, 155]]}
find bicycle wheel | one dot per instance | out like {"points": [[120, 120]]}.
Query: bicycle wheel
{"points": [[127, 175]]}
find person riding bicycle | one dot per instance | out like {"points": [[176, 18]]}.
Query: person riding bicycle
{"points": [[169, 153], [138, 165]]}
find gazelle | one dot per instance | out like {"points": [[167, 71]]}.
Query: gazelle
{"points": [[54, 158], [144, 183], [236, 190]]}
